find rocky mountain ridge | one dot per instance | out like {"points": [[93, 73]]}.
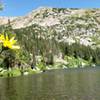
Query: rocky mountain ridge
{"points": [[63, 24], [54, 33], [45, 17]]}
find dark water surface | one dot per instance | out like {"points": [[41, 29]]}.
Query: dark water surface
{"points": [[74, 84]]}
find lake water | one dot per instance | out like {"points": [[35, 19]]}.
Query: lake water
{"points": [[72, 84]]}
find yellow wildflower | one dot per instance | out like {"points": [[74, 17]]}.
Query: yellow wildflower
{"points": [[1, 38], [9, 43]]}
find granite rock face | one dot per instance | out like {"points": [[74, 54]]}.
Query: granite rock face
{"points": [[70, 25]]}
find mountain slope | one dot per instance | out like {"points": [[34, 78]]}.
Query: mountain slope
{"points": [[69, 25], [46, 16], [57, 32]]}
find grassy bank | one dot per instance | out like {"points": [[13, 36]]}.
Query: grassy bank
{"points": [[67, 62]]}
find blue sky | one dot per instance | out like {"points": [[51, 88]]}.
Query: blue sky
{"points": [[22, 7]]}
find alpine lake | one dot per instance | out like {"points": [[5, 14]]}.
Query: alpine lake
{"points": [[66, 84]]}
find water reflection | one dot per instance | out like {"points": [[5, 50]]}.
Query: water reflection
{"points": [[75, 84]]}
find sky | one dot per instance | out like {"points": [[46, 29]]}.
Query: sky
{"points": [[22, 7]]}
